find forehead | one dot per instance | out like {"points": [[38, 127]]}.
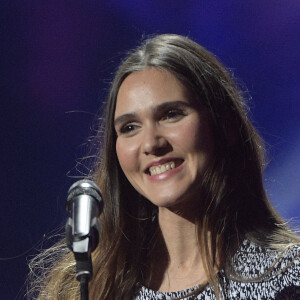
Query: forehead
{"points": [[148, 88]]}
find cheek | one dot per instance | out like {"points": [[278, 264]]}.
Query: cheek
{"points": [[196, 140], [190, 137], [127, 156]]}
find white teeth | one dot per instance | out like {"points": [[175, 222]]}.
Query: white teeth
{"points": [[162, 168]]}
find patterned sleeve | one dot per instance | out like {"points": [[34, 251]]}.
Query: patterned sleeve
{"points": [[290, 278]]}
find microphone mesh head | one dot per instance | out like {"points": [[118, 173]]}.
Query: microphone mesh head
{"points": [[84, 187]]}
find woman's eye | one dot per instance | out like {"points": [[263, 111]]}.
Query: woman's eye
{"points": [[128, 128], [173, 114]]}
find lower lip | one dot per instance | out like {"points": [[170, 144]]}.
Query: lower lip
{"points": [[165, 175]]}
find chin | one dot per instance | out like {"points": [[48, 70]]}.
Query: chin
{"points": [[167, 202]]}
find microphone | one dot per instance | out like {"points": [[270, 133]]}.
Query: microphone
{"points": [[84, 205]]}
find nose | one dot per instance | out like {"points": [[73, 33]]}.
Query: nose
{"points": [[154, 142]]}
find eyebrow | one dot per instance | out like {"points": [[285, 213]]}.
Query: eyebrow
{"points": [[163, 106], [124, 118]]}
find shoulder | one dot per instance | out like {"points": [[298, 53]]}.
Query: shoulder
{"points": [[252, 261], [262, 273]]}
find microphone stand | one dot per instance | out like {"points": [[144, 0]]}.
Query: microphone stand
{"points": [[84, 288], [82, 248], [84, 266]]}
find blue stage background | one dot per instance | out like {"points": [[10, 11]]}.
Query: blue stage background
{"points": [[56, 60]]}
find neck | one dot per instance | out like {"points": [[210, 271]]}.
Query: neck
{"points": [[176, 259], [180, 237]]}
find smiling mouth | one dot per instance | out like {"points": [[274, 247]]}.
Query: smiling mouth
{"points": [[155, 170]]}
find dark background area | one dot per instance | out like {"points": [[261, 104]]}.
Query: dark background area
{"points": [[56, 60]]}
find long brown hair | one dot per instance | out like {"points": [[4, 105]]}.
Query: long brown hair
{"points": [[235, 204]]}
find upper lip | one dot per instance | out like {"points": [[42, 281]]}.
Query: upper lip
{"points": [[160, 162]]}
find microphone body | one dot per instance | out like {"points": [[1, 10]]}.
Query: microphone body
{"points": [[84, 205]]}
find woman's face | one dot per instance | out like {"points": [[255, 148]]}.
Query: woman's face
{"points": [[163, 143]]}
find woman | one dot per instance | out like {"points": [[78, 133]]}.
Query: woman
{"points": [[185, 211]]}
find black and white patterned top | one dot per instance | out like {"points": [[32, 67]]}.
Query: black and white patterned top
{"points": [[250, 262]]}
